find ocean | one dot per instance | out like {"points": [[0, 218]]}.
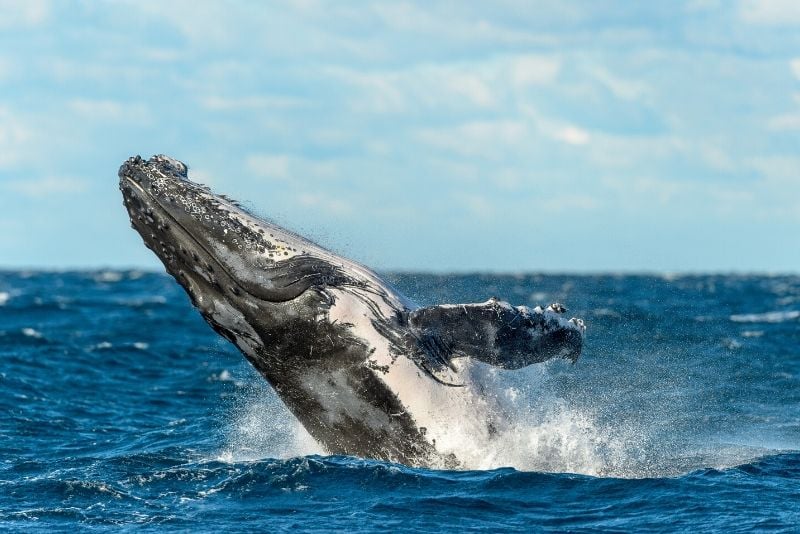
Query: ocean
{"points": [[121, 409]]}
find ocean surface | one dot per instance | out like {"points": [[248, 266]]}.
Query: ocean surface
{"points": [[120, 407]]}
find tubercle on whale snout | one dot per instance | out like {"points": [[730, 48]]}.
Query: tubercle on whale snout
{"points": [[162, 163]]}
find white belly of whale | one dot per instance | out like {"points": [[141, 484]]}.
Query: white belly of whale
{"points": [[449, 415]]}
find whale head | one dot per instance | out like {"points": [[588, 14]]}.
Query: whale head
{"points": [[233, 265]]}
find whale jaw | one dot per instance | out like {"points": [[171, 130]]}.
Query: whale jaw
{"points": [[152, 192]]}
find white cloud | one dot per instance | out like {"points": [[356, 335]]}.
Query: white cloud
{"points": [[572, 135], [251, 103], [6, 68], [770, 12], [476, 138], [165, 55], [556, 129], [508, 179], [476, 204], [621, 88], [570, 203], [324, 202], [794, 65], [109, 110], [65, 68], [472, 87], [716, 157], [702, 5], [16, 14], [405, 16], [785, 122], [443, 86], [42, 187], [294, 168], [534, 70], [306, 6], [773, 197], [777, 193], [449, 25], [15, 135], [781, 167], [378, 91], [653, 188], [269, 165], [213, 24], [636, 152]]}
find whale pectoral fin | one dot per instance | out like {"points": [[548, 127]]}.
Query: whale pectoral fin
{"points": [[497, 333]]}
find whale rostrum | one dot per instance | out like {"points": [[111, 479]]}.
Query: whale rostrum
{"points": [[366, 371]]}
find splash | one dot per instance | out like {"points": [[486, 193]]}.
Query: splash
{"points": [[545, 436], [532, 427], [260, 426]]}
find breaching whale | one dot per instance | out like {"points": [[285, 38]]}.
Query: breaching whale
{"points": [[365, 371]]}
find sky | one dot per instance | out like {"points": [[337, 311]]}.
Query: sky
{"points": [[428, 136]]}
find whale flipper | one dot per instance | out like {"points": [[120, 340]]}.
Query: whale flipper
{"points": [[496, 333]]}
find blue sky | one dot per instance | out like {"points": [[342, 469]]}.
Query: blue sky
{"points": [[516, 136]]}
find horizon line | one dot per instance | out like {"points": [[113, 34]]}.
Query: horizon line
{"points": [[453, 272]]}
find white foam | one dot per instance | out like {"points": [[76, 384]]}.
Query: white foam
{"points": [[31, 332], [108, 276], [4, 297], [262, 427], [223, 376], [537, 430], [534, 429], [548, 436], [768, 317], [752, 333]]}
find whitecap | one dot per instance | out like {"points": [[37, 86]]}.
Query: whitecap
{"points": [[141, 345], [4, 296], [752, 333], [108, 276], [31, 332], [731, 344], [223, 376], [768, 317]]}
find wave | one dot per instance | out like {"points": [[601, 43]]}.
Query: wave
{"points": [[767, 317], [323, 493]]}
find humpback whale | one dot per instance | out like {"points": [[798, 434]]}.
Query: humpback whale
{"points": [[366, 371]]}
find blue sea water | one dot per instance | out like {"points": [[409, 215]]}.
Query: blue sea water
{"points": [[121, 408]]}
